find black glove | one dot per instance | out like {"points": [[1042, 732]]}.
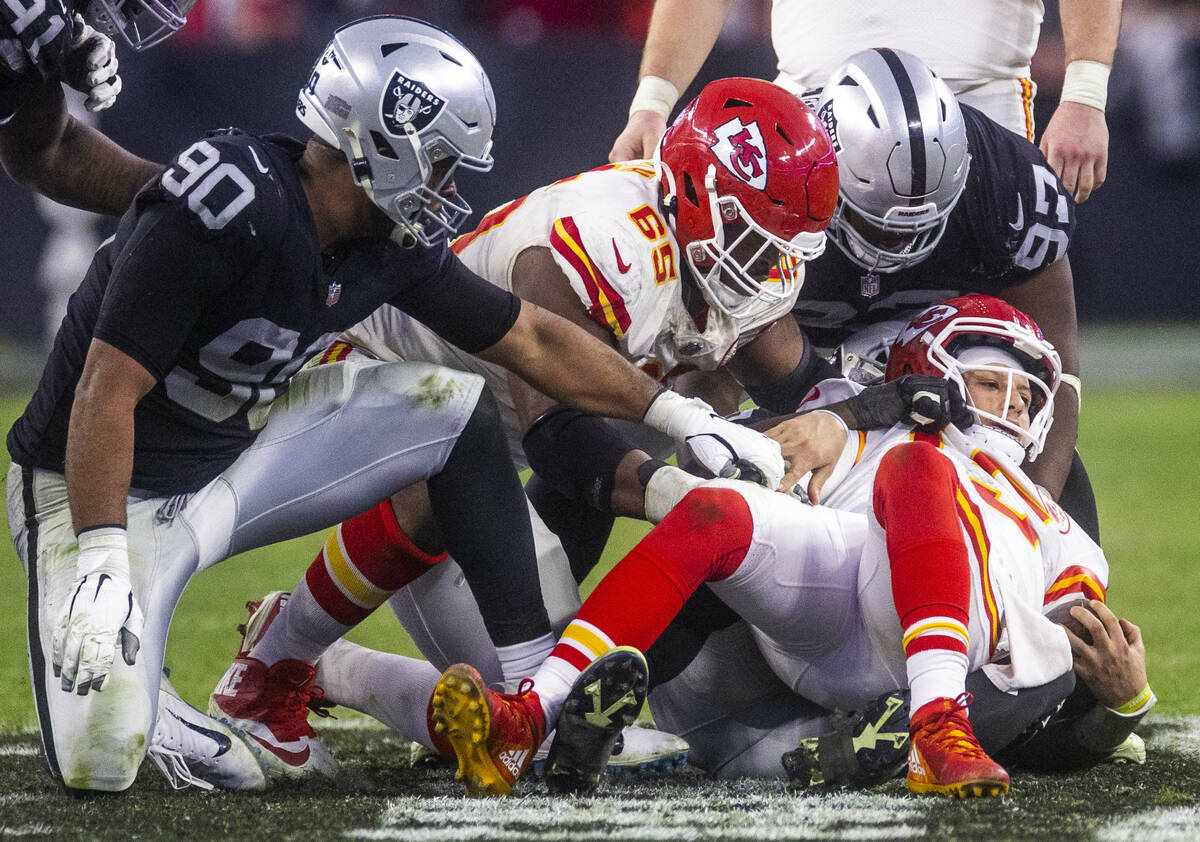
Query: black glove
{"points": [[929, 403]]}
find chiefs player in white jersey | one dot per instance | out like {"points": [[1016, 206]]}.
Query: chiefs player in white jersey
{"points": [[983, 51], [933, 554]]}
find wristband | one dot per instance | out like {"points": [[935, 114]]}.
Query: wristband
{"points": [[656, 94], [1086, 82], [1073, 381], [1139, 704]]}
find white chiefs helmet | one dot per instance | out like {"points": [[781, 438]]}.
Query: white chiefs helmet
{"points": [[407, 104]]}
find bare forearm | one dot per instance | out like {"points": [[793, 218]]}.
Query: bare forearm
{"points": [[681, 35], [87, 170], [99, 460], [565, 363], [1090, 29]]}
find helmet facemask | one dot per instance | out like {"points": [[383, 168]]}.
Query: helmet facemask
{"points": [[1040, 367], [744, 270], [902, 237], [141, 23], [431, 209]]}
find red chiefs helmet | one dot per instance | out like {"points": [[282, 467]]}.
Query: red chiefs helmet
{"points": [[749, 183], [936, 338]]}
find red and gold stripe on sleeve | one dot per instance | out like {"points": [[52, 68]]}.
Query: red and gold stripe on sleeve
{"points": [[1075, 579], [493, 220], [607, 307]]}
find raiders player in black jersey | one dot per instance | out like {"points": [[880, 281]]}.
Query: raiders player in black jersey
{"points": [[56, 42], [173, 427]]}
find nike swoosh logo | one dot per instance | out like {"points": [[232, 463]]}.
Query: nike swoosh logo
{"points": [[217, 736], [1020, 223], [622, 266], [257, 162], [292, 758]]}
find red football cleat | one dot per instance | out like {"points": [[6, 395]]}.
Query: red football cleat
{"points": [[493, 734], [945, 758], [270, 705]]}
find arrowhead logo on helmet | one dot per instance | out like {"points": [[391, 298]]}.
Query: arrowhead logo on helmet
{"points": [[408, 101], [740, 147]]}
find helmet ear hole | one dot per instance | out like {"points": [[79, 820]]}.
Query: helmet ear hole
{"points": [[383, 147], [689, 190]]}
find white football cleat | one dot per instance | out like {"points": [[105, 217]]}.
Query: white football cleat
{"points": [[192, 749], [642, 748]]}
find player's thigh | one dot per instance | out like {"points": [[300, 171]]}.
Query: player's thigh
{"points": [[797, 582], [345, 437], [736, 715], [1007, 101]]}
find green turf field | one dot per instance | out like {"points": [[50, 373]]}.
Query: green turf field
{"points": [[1141, 455]]}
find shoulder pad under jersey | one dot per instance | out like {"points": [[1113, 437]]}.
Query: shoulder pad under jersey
{"points": [[1022, 215], [234, 185]]}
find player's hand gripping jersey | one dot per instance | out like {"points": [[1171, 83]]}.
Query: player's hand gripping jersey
{"points": [[608, 236], [1013, 220]]}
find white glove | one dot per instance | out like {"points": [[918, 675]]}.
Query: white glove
{"points": [[101, 613], [726, 449], [91, 66]]}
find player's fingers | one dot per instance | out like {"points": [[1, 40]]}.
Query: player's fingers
{"points": [[1133, 633], [1090, 622], [1101, 170], [1112, 623], [1079, 648], [1086, 182], [817, 483]]}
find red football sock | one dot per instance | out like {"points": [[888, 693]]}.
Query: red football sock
{"points": [[364, 561], [703, 539], [917, 502]]}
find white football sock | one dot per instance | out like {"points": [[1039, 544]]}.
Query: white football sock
{"points": [[521, 659], [935, 674], [303, 630], [391, 688]]}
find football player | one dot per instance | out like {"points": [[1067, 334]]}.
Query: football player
{"points": [[173, 427], [54, 42], [983, 50], [932, 554]]}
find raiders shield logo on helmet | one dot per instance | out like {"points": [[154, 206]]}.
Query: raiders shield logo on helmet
{"points": [[740, 147], [407, 101]]}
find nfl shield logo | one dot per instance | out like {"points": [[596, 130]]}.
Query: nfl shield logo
{"points": [[869, 285], [335, 292]]}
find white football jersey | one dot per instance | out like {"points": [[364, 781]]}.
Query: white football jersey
{"points": [[1027, 555], [964, 43], [605, 232]]}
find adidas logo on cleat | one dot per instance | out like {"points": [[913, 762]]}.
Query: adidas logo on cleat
{"points": [[513, 759], [915, 766]]}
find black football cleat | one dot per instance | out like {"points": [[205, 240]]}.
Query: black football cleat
{"points": [[864, 748], [606, 697]]}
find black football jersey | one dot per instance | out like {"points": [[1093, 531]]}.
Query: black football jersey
{"points": [[1013, 219], [216, 284], [34, 37]]}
